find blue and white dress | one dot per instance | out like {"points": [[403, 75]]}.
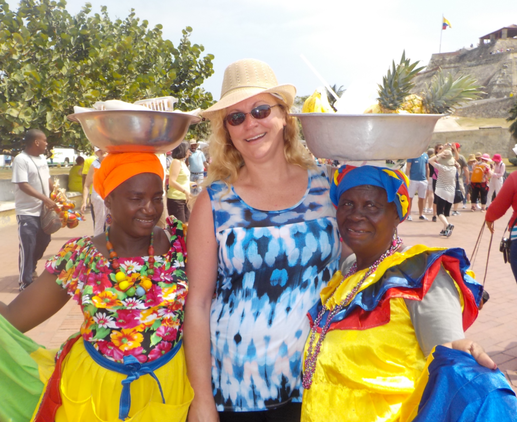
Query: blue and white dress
{"points": [[272, 266]]}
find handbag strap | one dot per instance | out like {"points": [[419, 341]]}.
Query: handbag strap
{"points": [[39, 175], [476, 249]]}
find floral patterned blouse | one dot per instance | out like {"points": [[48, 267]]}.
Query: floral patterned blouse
{"points": [[144, 323]]}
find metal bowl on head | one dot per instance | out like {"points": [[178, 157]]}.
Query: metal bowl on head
{"points": [[362, 137], [135, 130]]}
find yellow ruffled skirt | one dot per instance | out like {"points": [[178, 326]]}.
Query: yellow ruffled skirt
{"points": [[92, 393]]}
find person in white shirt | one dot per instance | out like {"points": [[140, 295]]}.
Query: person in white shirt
{"points": [[33, 185], [496, 181]]}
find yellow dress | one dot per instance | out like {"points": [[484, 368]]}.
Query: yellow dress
{"points": [[367, 372]]}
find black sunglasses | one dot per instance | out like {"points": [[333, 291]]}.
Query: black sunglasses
{"points": [[259, 112]]}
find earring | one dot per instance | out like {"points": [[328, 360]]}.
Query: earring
{"points": [[108, 219], [395, 237]]}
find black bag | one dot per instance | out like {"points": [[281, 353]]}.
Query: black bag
{"points": [[458, 194], [505, 245]]}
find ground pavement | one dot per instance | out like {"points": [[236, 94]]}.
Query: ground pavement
{"points": [[495, 329]]}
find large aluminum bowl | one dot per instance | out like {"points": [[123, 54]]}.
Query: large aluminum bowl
{"points": [[135, 130], [362, 137]]}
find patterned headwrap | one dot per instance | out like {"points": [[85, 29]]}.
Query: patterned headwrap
{"points": [[394, 182], [116, 168]]}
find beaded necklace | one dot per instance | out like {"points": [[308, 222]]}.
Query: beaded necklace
{"points": [[135, 284], [313, 351]]}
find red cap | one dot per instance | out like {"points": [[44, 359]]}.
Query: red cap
{"points": [[458, 146]]}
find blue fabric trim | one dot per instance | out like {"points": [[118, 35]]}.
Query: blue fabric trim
{"points": [[409, 275], [461, 390], [134, 370]]}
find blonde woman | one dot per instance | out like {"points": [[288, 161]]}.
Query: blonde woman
{"points": [[263, 236]]}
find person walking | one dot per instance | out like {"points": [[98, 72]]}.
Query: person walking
{"points": [[418, 172], [496, 181], [481, 172], [197, 164], [433, 173], [429, 199], [31, 177], [445, 163], [98, 209]]}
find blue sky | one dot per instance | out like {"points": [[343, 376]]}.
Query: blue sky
{"points": [[344, 40]]}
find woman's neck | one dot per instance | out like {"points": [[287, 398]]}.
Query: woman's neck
{"points": [[126, 245], [366, 260]]}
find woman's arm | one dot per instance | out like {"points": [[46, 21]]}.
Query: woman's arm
{"points": [[437, 319], [202, 275], [502, 201], [433, 159], [37, 303]]}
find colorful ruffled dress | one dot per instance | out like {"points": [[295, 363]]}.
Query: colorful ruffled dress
{"points": [[141, 328], [371, 366]]}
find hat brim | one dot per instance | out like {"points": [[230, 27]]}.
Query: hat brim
{"points": [[447, 161], [287, 92]]}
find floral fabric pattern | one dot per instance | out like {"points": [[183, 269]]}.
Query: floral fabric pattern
{"points": [[143, 323]]}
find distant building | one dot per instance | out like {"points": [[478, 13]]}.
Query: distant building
{"points": [[500, 34]]}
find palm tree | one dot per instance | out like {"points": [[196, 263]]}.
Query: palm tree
{"points": [[339, 91]]}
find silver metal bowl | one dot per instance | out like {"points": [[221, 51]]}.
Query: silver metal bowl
{"points": [[367, 136], [134, 130]]}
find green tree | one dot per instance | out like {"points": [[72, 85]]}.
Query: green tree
{"points": [[51, 61], [513, 117]]}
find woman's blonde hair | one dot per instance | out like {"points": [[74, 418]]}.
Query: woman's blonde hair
{"points": [[227, 161]]}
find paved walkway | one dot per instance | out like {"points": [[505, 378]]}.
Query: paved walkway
{"points": [[495, 328]]}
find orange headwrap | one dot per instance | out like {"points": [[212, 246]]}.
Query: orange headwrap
{"points": [[117, 168]]}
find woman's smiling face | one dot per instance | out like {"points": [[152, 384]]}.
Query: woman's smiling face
{"points": [[366, 220], [137, 204], [258, 139]]}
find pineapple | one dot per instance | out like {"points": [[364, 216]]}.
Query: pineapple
{"points": [[439, 97], [396, 86], [444, 93]]}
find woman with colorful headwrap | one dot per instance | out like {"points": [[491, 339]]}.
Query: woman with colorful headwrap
{"points": [[127, 362], [388, 310]]}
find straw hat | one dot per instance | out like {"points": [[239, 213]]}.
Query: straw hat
{"points": [[478, 155], [472, 157], [497, 158], [245, 79], [193, 142], [445, 158]]}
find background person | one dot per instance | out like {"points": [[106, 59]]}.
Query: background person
{"points": [[429, 199], [446, 165], [418, 171], [263, 237], [98, 209], [433, 173], [131, 285], [381, 317], [481, 172], [197, 164], [75, 176], [506, 198], [463, 178], [31, 178], [178, 194], [496, 181]]}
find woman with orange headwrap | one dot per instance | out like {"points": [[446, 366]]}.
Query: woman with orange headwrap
{"points": [[131, 286]]}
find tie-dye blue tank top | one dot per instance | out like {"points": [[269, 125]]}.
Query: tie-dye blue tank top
{"points": [[271, 268]]}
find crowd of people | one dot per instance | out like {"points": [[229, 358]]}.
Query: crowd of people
{"points": [[299, 300]]}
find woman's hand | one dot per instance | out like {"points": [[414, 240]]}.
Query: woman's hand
{"points": [[490, 225], [201, 411], [477, 352]]}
